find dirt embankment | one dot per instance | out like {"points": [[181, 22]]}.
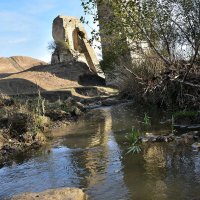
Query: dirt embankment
{"points": [[63, 76], [26, 123]]}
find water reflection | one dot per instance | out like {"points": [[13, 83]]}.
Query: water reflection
{"points": [[168, 172], [101, 159], [154, 156], [91, 154]]}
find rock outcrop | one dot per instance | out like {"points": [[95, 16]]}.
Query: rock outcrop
{"points": [[71, 31], [54, 194]]}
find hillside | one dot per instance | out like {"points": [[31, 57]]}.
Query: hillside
{"points": [[17, 64], [75, 78]]}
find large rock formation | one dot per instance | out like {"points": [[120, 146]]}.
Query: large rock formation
{"points": [[54, 194], [70, 30]]}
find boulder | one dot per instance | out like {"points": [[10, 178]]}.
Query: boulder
{"points": [[8, 102], [80, 106], [76, 112], [57, 115], [54, 194], [157, 138], [196, 146]]}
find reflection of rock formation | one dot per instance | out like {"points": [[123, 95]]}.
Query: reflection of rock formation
{"points": [[160, 191], [154, 157], [98, 156], [103, 128], [144, 174], [155, 166], [95, 159], [162, 172], [91, 133], [103, 158], [70, 30]]}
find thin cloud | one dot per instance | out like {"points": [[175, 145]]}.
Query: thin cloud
{"points": [[17, 41], [16, 22]]}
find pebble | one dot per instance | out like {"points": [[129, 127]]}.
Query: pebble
{"points": [[196, 145]]}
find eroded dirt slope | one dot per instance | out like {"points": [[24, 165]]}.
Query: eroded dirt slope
{"points": [[59, 77], [17, 64]]}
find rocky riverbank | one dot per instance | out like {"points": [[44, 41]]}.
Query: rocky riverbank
{"points": [[192, 137]]}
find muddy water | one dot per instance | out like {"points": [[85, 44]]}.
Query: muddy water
{"points": [[91, 154]]}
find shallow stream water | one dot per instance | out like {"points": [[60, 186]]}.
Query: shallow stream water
{"points": [[92, 154]]}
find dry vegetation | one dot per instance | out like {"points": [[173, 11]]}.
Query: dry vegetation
{"points": [[26, 123]]}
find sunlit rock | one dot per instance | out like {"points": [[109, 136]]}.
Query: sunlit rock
{"points": [[54, 194]]}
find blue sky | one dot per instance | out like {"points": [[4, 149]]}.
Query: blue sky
{"points": [[25, 25]]}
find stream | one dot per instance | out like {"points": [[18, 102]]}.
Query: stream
{"points": [[92, 154]]}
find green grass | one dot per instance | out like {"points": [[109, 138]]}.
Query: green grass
{"points": [[182, 114], [147, 120], [172, 126], [185, 113], [134, 140]]}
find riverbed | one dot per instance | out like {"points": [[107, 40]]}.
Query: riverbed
{"points": [[92, 154]]}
